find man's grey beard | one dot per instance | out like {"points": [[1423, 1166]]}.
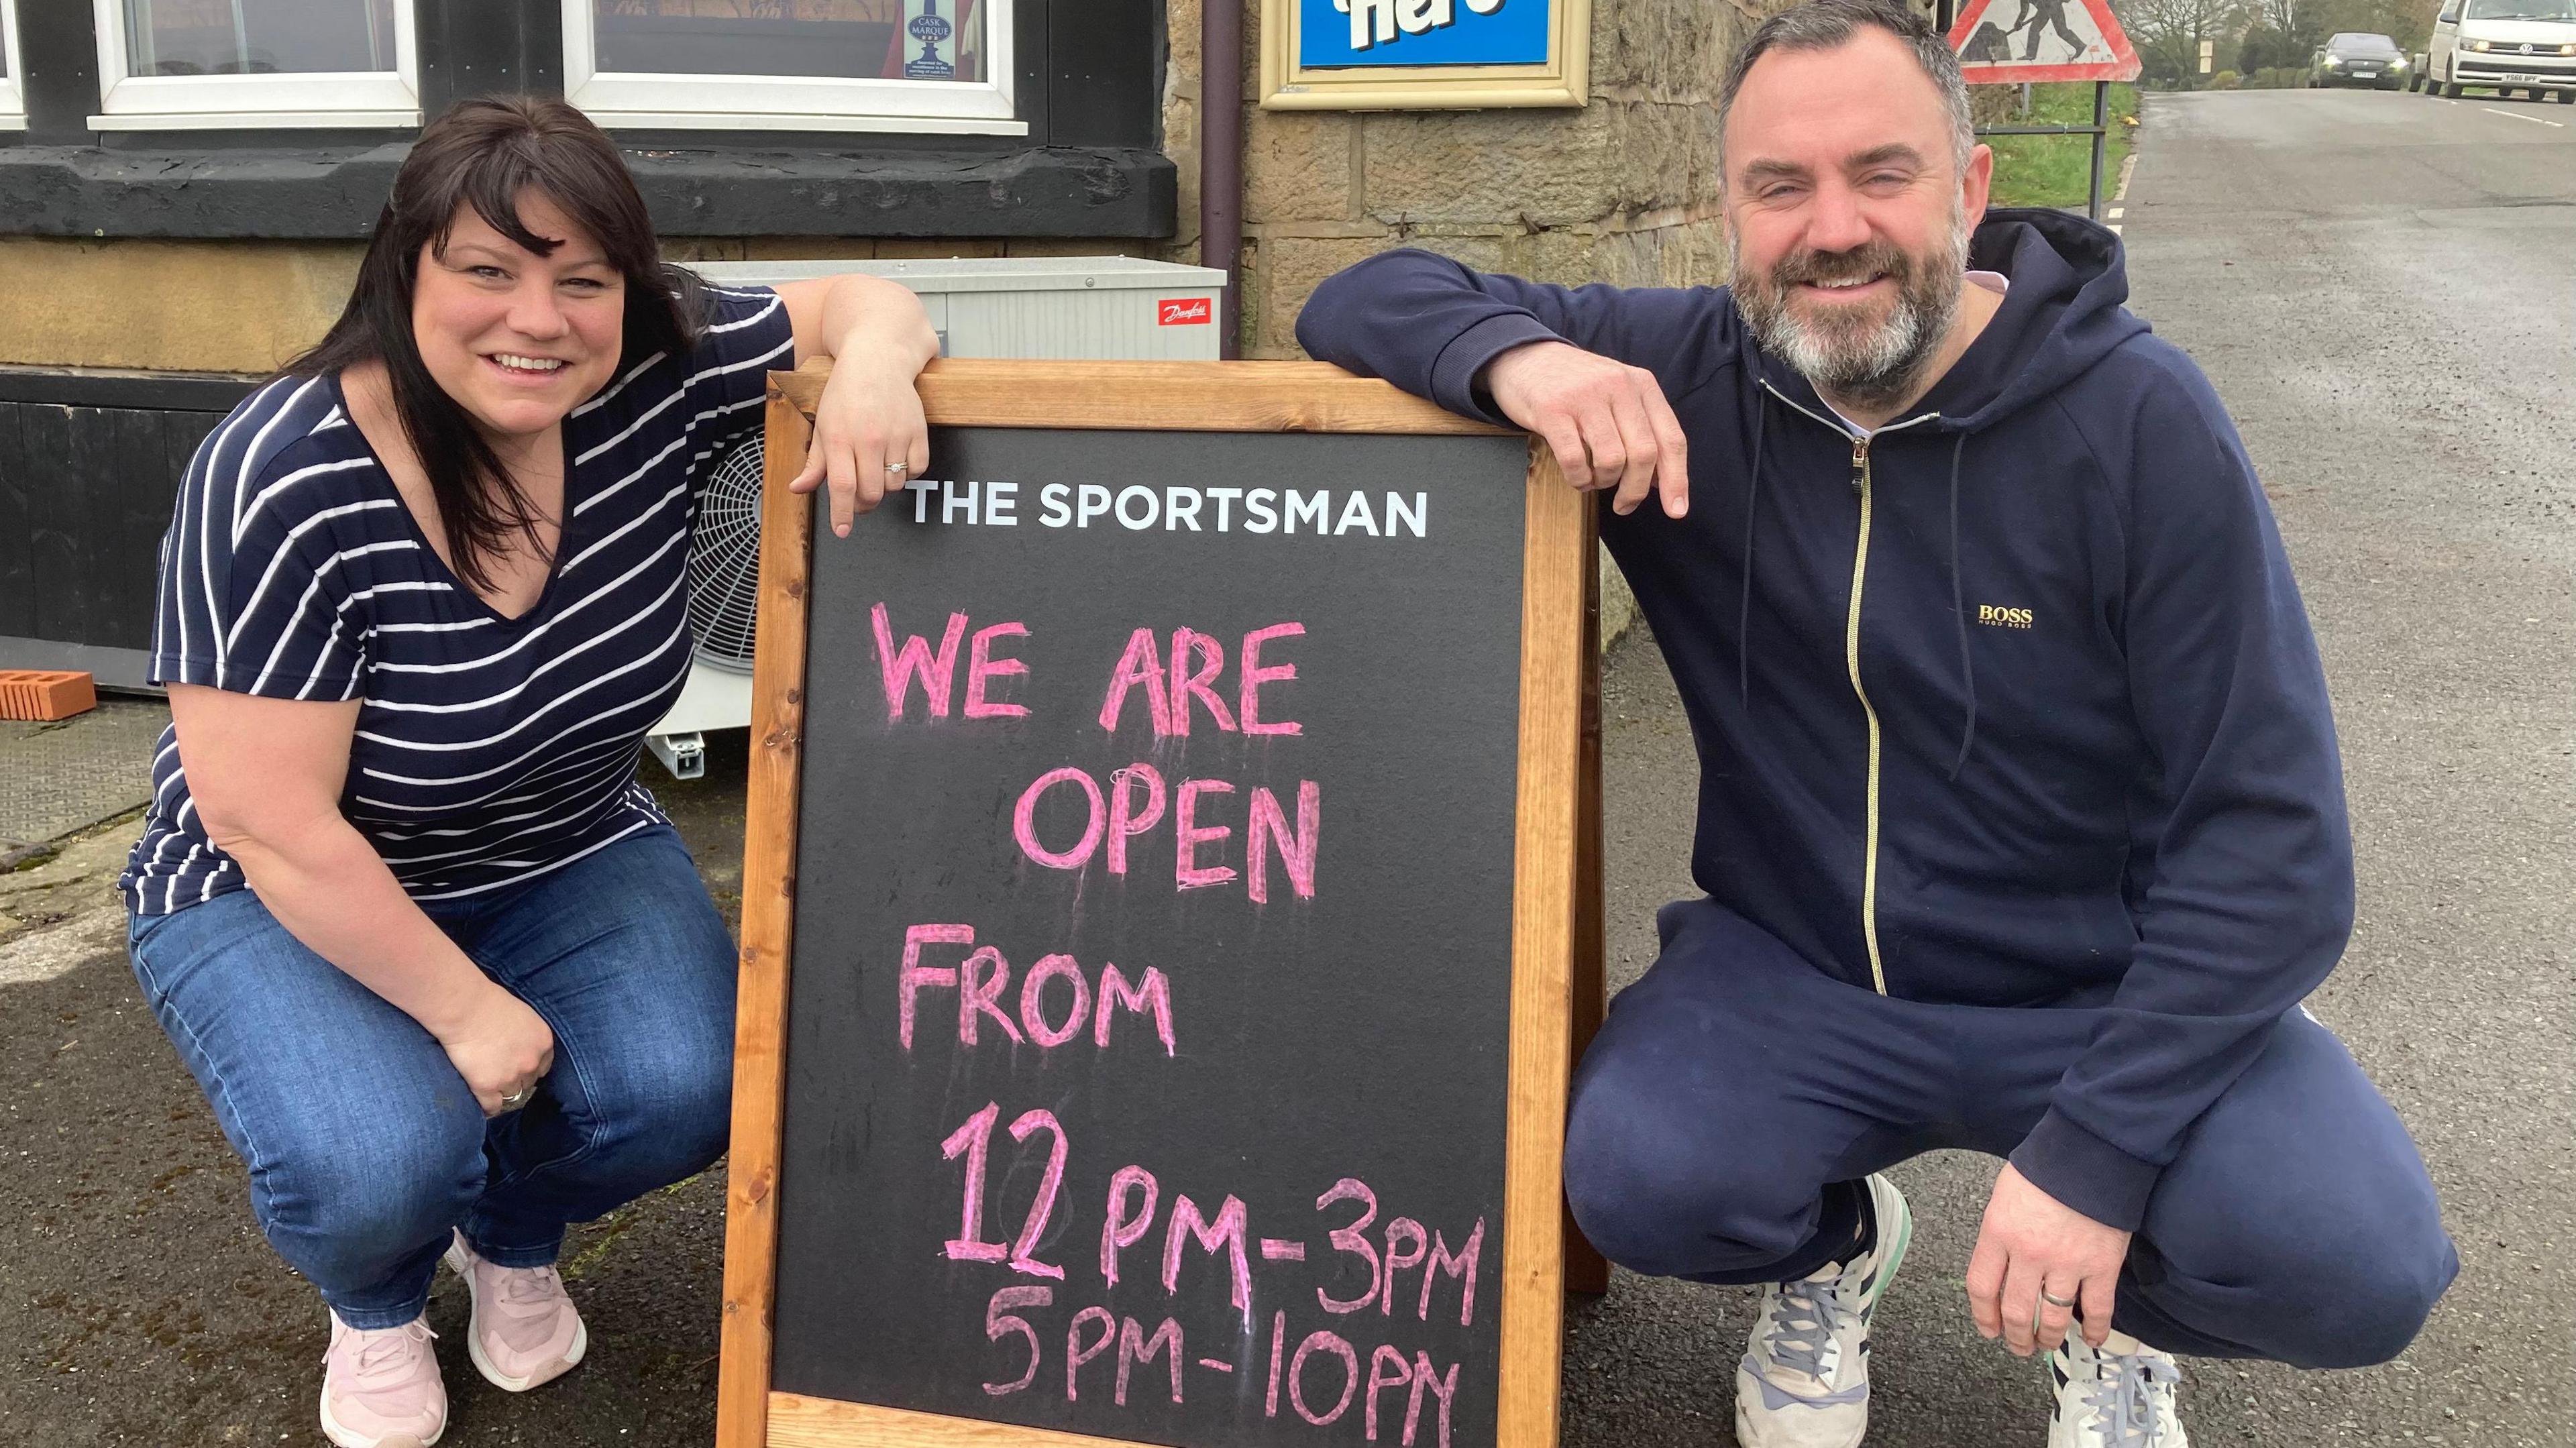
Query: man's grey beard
{"points": [[1869, 364]]}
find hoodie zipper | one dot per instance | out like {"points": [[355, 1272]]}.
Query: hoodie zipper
{"points": [[1851, 663], [1860, 484]]}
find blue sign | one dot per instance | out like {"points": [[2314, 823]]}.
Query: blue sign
{"points": [[1422, 32]]}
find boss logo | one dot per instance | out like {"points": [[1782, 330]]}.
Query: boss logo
{"points": [[2003, 617]]}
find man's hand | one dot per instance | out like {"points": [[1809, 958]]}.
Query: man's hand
{"points": [[1608, 422], [2032, 1242]]}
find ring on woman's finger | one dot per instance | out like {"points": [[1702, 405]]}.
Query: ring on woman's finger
{"points": [[519, 1098], [897, 468]]}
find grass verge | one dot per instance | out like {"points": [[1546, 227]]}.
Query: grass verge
{"points": [[2051, 170]]}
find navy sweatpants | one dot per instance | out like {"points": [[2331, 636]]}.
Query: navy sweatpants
{"points": [[1736, 1095]]}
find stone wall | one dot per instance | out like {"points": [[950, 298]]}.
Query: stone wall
{"points": [[1623, 190]]}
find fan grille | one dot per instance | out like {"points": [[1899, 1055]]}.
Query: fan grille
{"points": [[724, 559]]}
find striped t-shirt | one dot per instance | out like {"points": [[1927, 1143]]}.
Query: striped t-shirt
{"points": [[489, 750]]}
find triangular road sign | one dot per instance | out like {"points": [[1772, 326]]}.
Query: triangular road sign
{"points": [[2010, 41]]}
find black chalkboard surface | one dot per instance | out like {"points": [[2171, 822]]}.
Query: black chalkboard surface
{"points": [[1166, 1046]]}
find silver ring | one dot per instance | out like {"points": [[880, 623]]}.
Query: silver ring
{"points": [[2054, 1301], [897, 468], [524, 1095]]}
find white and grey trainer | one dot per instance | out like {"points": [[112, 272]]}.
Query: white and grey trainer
{"points": [[1804, 1381], [2120, 1395]]}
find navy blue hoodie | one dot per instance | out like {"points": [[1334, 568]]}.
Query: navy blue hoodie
{"points": [[2013, 704]]}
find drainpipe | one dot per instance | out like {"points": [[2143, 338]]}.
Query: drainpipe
{"points": [[1221, 157]]}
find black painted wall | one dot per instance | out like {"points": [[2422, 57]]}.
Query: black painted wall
{"points": [[1089, 88], [85, 494]]}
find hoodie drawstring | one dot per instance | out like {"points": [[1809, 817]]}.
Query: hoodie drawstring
{"points": [[1959, 611], [1752, 503]]}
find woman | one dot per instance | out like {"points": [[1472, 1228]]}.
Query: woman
{"points": [[439, 963]]}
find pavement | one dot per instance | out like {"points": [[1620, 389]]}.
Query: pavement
{"points": [[2379, 285]]}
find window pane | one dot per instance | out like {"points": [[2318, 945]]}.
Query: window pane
{"points": [[848, 39], [257, 37]]}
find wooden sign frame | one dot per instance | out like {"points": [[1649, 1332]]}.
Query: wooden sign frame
{"points": [[1556, 963]]}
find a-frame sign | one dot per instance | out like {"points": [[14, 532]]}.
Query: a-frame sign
{"points": [[2006, 42]]}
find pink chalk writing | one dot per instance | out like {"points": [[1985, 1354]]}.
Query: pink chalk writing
{"points": [[1275, 1250], [998, 1323], [1337, 1346], [1024, 1248], [1141, 664], [1134, 1347], [1152, 995], [980, 982], [914, 660], [1387, 1355], [1120, 1229], [914, 975], [975, 1139], [1075, 1354], [1196, 661], [983, 979], [1134, 803], [1033, 1000], [1125, 817], [1461, 1267], [1352, 1239], [1256, 674], [1188, 835], [1224, 1234], [982, 668], [1415, 1242], [1024, 820], [1296, 851]]}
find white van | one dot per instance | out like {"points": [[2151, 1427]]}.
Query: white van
{"points": [[2509, 45]]}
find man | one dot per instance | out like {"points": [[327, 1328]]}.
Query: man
{"points": [[2020, 817]]}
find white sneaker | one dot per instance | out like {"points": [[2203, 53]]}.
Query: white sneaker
{"points": [[381, 1389], [1804, 1381], [2118, 1396], [522, 1330]]}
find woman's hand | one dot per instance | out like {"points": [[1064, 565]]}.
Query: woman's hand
{"points": [[502, 1049], [869, 437]]}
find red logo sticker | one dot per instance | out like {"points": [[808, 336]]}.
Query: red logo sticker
{"points": [[1184, 312]]}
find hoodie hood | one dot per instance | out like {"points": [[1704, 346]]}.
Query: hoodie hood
{"points": [[2062, 315]]}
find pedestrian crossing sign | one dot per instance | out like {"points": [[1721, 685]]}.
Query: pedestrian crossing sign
{"points": [[2006, 42]]}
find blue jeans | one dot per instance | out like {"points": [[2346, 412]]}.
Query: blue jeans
{"points": [[364, 1146], [1736, 1096]]}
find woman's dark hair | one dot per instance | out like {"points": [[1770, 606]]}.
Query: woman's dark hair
{"points": [[483, 153]]}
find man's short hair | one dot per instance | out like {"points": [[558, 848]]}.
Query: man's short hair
{"points": [[1830, 24]]}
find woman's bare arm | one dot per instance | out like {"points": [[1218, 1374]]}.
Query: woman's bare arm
{"points": [[266, 775]]}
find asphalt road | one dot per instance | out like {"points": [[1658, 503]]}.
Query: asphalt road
{"points": [[2380, 286]]}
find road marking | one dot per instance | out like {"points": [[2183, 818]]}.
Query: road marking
{"points": [[2114, 212], [2128, 168], [2115, 231], [2519, 116]]}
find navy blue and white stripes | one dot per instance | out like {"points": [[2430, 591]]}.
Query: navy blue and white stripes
{"points": [[488, 750]]}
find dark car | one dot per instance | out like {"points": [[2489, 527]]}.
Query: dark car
{"points": [[2354, 58]]}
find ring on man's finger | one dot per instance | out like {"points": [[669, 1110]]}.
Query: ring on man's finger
{"points": [[2053, 1300]]}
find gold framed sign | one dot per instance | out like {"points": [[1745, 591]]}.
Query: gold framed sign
{"points": [[1383, 55]]}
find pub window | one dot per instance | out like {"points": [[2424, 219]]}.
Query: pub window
{"points": [[793, 65], [13, 96], [198, 64]]}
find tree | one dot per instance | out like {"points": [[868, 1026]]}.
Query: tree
{"points": [[2168, 34]]}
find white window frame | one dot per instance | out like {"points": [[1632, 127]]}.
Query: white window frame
{"points": [[13, 74], [640, 100], [311, 99]]}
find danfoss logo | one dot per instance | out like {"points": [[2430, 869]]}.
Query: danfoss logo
{"points": [[1184, 312], [2003, 617]]}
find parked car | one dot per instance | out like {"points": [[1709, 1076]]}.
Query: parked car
{"points": [[2506, 45], [2358, 58]]}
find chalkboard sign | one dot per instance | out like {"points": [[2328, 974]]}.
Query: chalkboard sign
{"points": [[1158, 925]]}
